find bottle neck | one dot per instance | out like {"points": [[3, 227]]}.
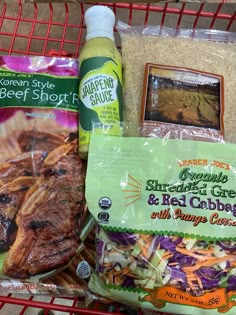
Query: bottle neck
{"points": [[100, 38], [99, 46], [99, 33]]}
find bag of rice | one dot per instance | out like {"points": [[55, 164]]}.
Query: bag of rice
{"points": [[189, 79], [166, 212], [42, 204]]}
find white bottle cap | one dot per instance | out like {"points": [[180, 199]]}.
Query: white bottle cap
{"points": [[100, 21]]}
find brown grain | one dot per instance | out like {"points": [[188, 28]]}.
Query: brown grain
{"points": [[209, 56]]}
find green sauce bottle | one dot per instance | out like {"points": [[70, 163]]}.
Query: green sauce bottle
{"points": [[100, 87]]}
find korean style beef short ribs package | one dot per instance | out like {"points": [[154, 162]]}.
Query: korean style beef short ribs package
{"points": [[42, 205]]}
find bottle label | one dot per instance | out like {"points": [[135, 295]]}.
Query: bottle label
{"points": [[100, 96]]}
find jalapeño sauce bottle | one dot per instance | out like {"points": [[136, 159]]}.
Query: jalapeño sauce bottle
{"points": [[100, 87]]}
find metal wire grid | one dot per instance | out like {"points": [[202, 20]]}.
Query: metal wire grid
{"points": [[41, 30], [11, 32]]}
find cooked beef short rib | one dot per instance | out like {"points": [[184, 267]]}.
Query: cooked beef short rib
{"points": [[50, 216], [11, 198], [16, 177], [25, 164], [34, 140], [7, 232]]}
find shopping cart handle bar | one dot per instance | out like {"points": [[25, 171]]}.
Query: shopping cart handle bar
{"points": [[50, 306]]}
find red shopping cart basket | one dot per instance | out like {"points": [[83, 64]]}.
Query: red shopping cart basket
{"points": [[30, 29]]}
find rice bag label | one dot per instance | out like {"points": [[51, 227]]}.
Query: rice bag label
{"points": [[168, 235], [183, 96], [99, 96]]}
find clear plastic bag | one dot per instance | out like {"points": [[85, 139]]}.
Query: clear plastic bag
{"points": [[166, 214], [43, 214], [196, 53]]}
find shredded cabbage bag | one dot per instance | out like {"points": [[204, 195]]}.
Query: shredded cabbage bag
{"points": [[166, 210]]}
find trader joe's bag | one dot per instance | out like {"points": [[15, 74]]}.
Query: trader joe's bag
{"points": [[42, 205], [166, 210]]}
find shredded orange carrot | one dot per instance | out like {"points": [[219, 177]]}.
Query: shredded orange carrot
{"points": [[144, 248], [121, 272], [209, 262], [199, 283], [188, 253], [167, 256], [118, 280], [181, 245], [111, 252], [146, 237], [110, 277], [204, 251], [191, 285], [144, 252], [191, 276], [166, 253]]}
